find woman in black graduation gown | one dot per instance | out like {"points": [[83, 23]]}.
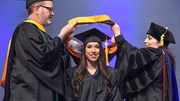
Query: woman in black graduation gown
{"points": [[147, 74], [92, 80]]}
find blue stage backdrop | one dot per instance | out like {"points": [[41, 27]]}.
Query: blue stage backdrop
{"points": [[133, 16]]}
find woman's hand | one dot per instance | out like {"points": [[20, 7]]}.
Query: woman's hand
{"points": [[113, 40], [116, 30]]}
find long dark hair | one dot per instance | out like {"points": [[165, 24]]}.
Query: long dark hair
{"points": [[81, 71], [170, 55]]}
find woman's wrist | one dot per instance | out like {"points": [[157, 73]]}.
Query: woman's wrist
{"points": [[117, 34]]}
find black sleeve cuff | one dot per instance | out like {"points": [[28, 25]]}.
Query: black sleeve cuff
{"points": [[120, 39]]}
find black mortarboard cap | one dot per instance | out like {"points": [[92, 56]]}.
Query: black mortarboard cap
{"points": [[29, 2], [156, 31], [92, 35]]}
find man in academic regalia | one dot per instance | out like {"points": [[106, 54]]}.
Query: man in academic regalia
{"points": [[36, 62]]}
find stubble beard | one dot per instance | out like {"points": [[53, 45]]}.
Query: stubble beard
{"points": [[45, 20]]}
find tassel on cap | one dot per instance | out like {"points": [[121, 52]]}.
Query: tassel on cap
{"points": [[162, 37], [106, 52]]}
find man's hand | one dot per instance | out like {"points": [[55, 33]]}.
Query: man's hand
{"points": [[69, 37], [68, 29]]}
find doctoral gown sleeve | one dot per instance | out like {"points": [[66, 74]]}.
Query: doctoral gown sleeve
{"points": [[114, 75], [137, 67], [40, 57]]}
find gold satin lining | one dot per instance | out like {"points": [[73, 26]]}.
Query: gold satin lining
{"points": [[6, 63], [5, 66], [90, 19], [37, 24]]}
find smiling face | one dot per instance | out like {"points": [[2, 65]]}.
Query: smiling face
{"points": [[92, 51], [151, 42]]}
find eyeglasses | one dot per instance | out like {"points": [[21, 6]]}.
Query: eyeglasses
{"points": [[48, 8]]}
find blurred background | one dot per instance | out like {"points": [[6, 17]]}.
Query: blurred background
{"points": [[133, 17]]}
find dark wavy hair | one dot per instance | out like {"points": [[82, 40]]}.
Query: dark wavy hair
{"points": [[81, 71]]}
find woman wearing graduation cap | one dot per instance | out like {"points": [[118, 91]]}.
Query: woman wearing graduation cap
{"points": [[92, 80], [147, 74]]}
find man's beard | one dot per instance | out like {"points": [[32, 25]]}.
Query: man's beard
{"points": [[45, 21]]}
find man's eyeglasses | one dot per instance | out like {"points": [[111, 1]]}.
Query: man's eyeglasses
{"points": [[48, 8]]}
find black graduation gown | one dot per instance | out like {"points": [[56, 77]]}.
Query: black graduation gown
{"points": [[35, 67], [92, 89], [141, 72]]}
